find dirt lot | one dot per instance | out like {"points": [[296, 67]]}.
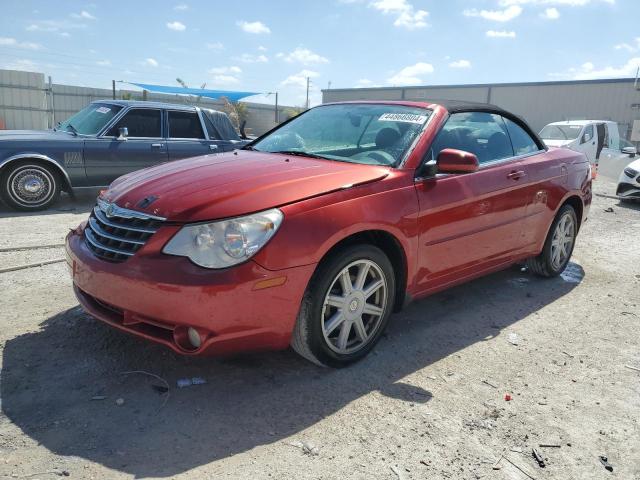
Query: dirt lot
{"points": [[429, 403]]}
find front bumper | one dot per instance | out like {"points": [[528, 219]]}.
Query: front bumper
{"points": [[628, 190], [158, 297]]}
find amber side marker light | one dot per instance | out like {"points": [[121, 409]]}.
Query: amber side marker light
{"points": [[269, 282]]}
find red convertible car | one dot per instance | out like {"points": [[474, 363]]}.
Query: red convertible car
{"points": [[313, 234]]}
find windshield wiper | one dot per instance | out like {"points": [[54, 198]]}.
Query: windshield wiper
{"points": [[300, 154], [73, 129]]}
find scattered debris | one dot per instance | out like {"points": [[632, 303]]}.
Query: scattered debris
{"points": [[187, 382], [60, 473], [490, 384], [628, 313], [161, 389], [99, 397], [307, 448], [31, 247], [630, 367], [550, 445], [508, 397], [153, 375], [605, 461], [119, 401], [520, 468], [568, 354], [513, 339], [496, 464], [608, 210], [516, 449], [397, 471], [538, 457], [573, 273]]}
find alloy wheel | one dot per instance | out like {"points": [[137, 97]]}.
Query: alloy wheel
{"points": [[354, 306], [562, 241]]}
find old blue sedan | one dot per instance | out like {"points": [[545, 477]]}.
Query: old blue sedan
{"points": [[105, 140]]}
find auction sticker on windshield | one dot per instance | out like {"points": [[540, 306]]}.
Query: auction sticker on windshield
{"points": [[103, 110], [403, 117]]}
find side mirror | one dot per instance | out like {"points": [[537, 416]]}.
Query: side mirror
{"points": [[123, 133], [451, 160], [631, 151]]}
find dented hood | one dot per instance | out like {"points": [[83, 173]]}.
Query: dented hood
{"points": [[232, 184]]}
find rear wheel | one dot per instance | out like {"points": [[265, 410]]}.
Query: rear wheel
{"points": [[29, 186], [558, 246], [346, 307]]}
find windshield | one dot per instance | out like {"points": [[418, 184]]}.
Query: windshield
{"points": [[358, 133], [90, 120], [560, 132]]}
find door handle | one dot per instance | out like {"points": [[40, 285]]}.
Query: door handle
{"points": [[213, 146], [157, 145], [516, 175]]}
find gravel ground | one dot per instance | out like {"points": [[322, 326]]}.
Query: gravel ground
{"points": [[428, 403]]}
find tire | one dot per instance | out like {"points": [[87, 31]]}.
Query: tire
{"points": [[29, 186], [319, 340], [557, 252]]}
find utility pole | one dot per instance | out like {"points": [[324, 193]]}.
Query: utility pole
{"points": [[113, 89], [277, 114], [307, 102]]}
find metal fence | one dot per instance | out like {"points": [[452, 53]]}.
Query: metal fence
{"points": [[29, 101]]}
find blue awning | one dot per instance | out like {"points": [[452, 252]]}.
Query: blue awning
{"points": [[197, 92]]}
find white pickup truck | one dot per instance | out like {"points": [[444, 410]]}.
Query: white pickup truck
{"points": [[599, 140]]}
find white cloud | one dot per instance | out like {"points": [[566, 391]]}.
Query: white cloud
{"points": [[363, 82], [406, 14], [22, 65], [460, 64], [303, 56], [262, 49], [181, 7], [104, 63], [412, 74], [215, 46], [629, 47], [551, 14], [225, 70], [150, 62], [253, 27], [176, 26], [12, 42], [223, 80], [250, 58], [500, 34], [299, 79], [588, 71], [55, 26], [569, 3], [83, 15], [505, 15]]}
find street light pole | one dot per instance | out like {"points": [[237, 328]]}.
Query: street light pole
{"points": [[307, 102]]}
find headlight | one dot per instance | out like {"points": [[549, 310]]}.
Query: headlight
{"points": [[630, 172], [227, 242]]}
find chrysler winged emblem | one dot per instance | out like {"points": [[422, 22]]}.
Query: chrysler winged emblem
{"points": [[109, 211]]}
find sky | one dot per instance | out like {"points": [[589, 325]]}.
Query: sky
{"points": [[269, 46]]}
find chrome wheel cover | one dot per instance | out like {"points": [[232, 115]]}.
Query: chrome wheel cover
{"points": [[31, 185], [562, 242], [354, 306]]}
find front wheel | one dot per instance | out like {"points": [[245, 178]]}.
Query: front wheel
{"points": [[29, 186], [346, 307], [558, 246]]}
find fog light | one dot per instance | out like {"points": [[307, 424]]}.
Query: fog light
{"points": [[194, 337]]}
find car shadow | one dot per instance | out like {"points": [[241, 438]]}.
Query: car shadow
{"points": [[630, 204], [81, 202], [61, 385]]}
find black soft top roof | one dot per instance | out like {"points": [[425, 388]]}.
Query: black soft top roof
{"points": [[459, 106]]}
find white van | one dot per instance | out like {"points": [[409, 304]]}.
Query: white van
{"points": [[599, 140]]}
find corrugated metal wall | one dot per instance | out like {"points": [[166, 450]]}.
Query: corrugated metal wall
{"points": [[538, 103], [26, 103]]}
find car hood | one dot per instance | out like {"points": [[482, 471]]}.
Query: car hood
{"points": [[34, 135], [557, 143], [232, 184]]}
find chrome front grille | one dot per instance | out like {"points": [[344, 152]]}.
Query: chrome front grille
{"points": [[114, 233]]}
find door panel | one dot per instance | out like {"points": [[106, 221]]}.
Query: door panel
{"points": [[469, 221], [107, 158]]}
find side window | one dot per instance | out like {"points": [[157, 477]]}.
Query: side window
{"points": [[185, 125], [587, 136], [483, 134], [141, 122], [211, 130], [520, 139]]}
